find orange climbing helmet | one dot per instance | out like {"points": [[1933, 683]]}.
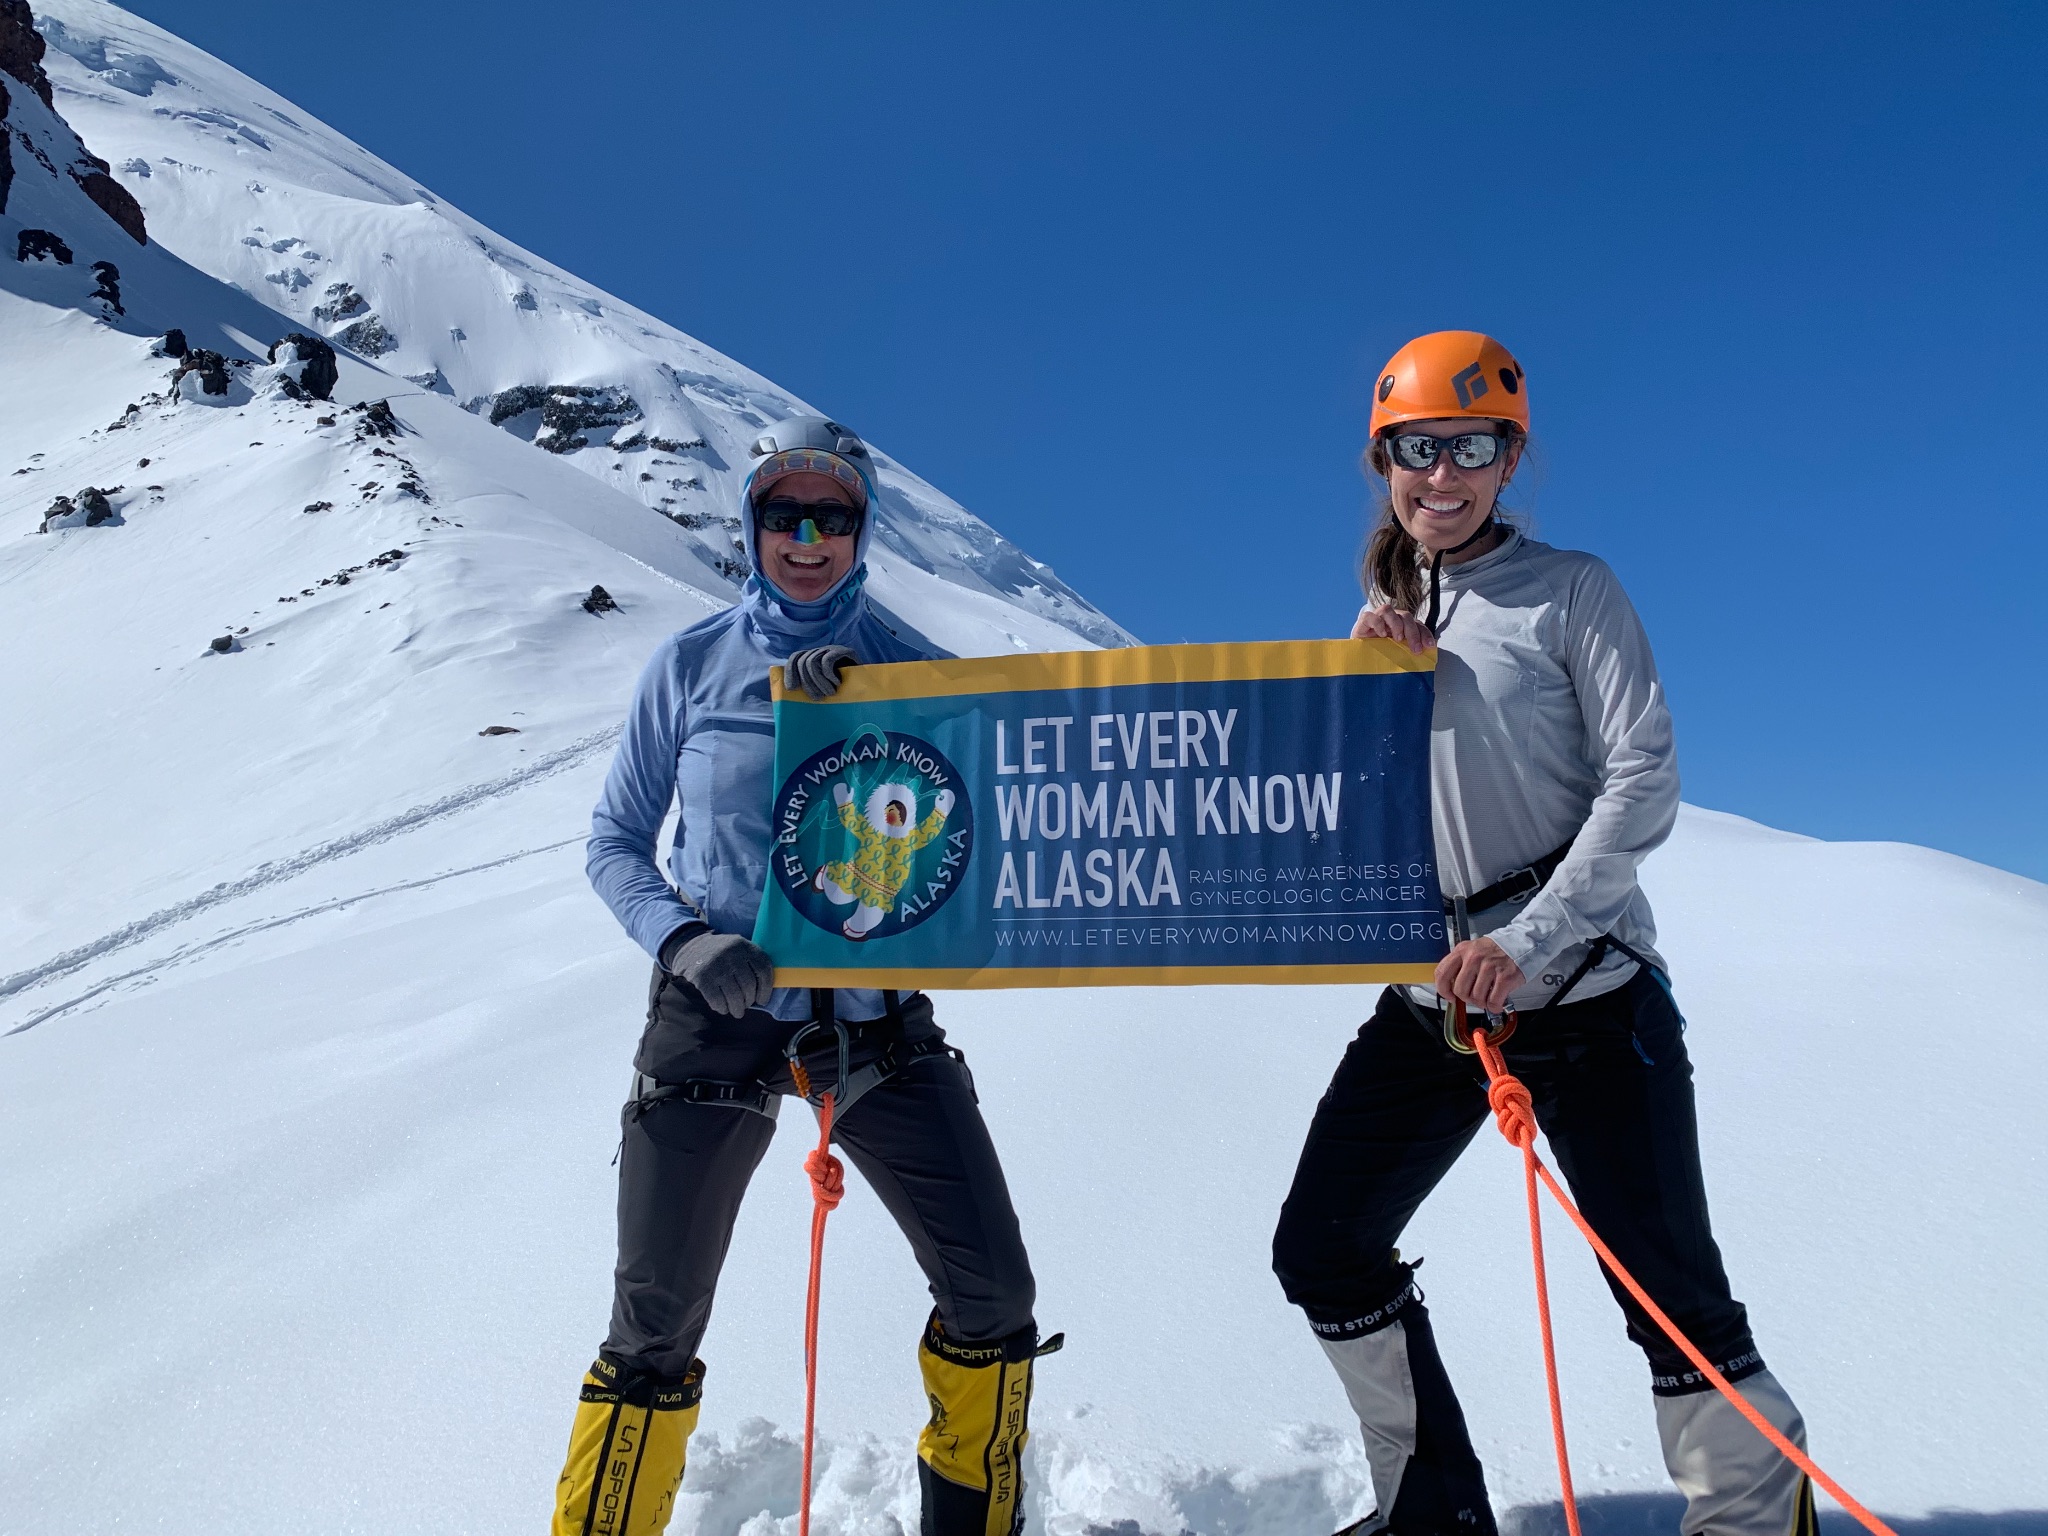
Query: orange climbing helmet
{"points": [[1451, 373]]}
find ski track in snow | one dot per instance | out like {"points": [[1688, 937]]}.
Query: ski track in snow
{"points": [[279, 870], [233, 935]]}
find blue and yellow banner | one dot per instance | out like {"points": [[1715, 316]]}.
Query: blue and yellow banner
{"points": [[1168, 814]]}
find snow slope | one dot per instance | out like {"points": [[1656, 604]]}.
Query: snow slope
{"points": [[310, 1212], [312, 1039]]}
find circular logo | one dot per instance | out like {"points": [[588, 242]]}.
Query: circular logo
{"points": [[872, 835]]}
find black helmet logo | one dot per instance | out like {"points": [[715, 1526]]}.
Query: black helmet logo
{"points": [[1386, 388]]}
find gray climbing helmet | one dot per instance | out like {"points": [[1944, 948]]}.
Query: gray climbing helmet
{"points": [[784, 446]]}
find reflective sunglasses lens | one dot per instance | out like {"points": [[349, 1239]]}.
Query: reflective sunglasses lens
{"points": [[1475, 450], [1416, 450], [785, 514]]}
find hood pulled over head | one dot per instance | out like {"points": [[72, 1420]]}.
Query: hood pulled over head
{"points": [[880, 798], [808, 444]]}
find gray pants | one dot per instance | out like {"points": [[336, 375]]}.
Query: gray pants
{"points": [[686, 1159]]}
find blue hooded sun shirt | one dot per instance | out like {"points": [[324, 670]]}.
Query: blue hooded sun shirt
{"points": [[701, 731]]}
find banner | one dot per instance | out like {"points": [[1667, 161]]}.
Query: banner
{"points": [[1171, 814]]}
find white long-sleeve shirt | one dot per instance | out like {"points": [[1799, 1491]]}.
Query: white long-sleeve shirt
{"points": [[1550, 726]]}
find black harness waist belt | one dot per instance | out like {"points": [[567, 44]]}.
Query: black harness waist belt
{"points": [[1517, 885]]}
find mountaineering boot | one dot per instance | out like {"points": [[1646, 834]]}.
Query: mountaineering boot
{"points": [[970, 1456], [1735, 1482], [1425, 1474], [626, 1450]]}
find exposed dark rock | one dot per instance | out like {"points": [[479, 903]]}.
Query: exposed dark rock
{"points": [[211, 367], [114, 200], [223, 644], [22, 48], [368, 337], [108, 290], [320, 506], [317, 373], [567, 411], [524, 299], [600, 601], [6, 151], [377, 420], [40, 245], [342, 302], [65, 511], [499, 730], [517, 401], [173, 344]]}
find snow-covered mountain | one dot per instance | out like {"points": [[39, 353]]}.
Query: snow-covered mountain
{"points": [[386, 579], [312, 1038], [253, 190]]}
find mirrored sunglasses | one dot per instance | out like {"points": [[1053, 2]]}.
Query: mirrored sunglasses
{"points": [[1468, 450]]}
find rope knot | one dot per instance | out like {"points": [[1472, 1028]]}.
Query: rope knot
{"points": [[828, 1178], [1513, 1109]]}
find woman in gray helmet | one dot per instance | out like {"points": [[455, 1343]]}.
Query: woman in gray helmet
{"points": [[713, 1064]]}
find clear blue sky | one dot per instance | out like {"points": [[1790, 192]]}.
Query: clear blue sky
{"points": [[1119, 277]]}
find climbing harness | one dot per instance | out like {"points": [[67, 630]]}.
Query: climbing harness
{"points": [[1515, 1112], [1516, 887]]}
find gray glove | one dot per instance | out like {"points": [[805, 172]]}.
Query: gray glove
{"points": [[731, 973], [816, 671]]}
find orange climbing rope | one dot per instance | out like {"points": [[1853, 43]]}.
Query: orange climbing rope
{"points": [[828, 1188], [1514, 1111]]}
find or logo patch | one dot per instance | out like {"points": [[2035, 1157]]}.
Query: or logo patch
{"points": [[872, 834], [1386, 388], [1470, 383]]}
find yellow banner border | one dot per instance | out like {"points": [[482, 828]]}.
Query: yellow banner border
{"points": [[1035, 671], [910, 978]]}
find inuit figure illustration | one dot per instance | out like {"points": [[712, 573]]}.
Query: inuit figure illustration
{"points": [[886, 839]]}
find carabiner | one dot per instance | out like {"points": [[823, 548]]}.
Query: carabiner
{"points": [[1500, 1027]]}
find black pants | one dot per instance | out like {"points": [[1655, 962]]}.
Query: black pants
{"points": [[917, 1138], [1613, 1092]]}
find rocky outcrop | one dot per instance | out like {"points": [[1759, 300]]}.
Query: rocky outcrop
{"points": [[114, 200], [317, 373], [42, 245], [173, 344], [87, 509], [342, 302], [567, 411], [22, 49], [368, 337], [211, 368], [6, 151], [108, 291], [600, 601], [377, 420]]}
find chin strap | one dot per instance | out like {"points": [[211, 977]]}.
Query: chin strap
{"points": [[1436, 565]]}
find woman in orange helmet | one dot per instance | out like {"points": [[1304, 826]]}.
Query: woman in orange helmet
{"points": [[1553, 775]]}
